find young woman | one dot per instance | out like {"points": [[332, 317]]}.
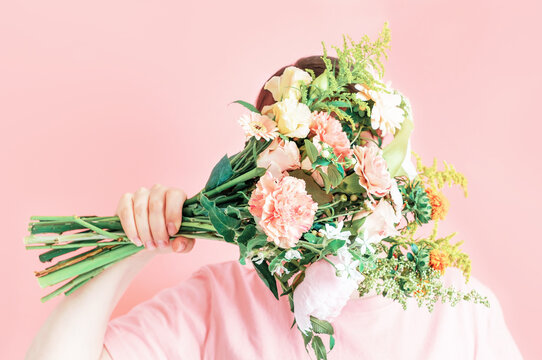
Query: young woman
{"points": [[224, 311]]}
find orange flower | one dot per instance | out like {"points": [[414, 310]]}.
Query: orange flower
{"points": [[438, 260], [439, 204]]}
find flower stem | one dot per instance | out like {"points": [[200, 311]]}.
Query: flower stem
{"points": [[256, 172]]}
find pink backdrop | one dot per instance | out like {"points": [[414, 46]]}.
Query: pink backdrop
{"points": [[99, 98]]}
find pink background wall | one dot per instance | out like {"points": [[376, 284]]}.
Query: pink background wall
{"points": [[99, 98]]}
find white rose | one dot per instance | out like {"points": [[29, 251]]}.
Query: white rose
{"points": [[287, 85]]}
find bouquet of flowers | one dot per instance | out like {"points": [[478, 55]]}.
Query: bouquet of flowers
{"points": [[324, 200]]}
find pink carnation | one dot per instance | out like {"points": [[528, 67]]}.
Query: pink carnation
{"points": [[372, 169], [329, 130], [282, 208]]}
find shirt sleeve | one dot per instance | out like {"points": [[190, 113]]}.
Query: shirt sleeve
{"points": [[499, 343], [171, 325]]}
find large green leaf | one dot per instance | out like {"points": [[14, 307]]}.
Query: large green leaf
{"points": [[220, 173], [313, 189], [396, 151], [350, 185], [268, 279]]}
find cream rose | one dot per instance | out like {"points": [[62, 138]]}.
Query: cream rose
{"points": [[293, 118], [287, 85]]}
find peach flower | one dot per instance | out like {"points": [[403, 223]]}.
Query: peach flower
{"points": [[380, 223], [386, 113], [323, 293], [279, 156], [282, 209], [372, 169], [259, 126], [329, 130]]}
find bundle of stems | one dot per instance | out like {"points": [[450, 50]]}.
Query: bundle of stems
{"points": [[89, 244]]}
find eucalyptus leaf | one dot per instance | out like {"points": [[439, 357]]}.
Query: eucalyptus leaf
{"points": [[319, 348], [321, 326]]}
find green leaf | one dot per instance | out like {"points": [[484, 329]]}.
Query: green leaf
{"points": [[325, 178], [248, 106], [335, 245], [390, 252], [357, 224], [242, 241], [233, 212], [306, 338], [220, 173], [396, 151], [331, 342], [211, 207], [414, 248], [268, 279], [339, 103], [312, 151], [410, 256], [334, 175], [310, 237], [319, 348], [223, 223], [320, 161], [256, 242], [350, 185], [313, 189], [321, 326], [247, 234]]}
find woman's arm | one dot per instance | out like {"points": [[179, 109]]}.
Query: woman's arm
{"points": [[76, 327]]}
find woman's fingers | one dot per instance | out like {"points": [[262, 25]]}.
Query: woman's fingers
{"points": [[182, 244], [174, 205], [125, 212], [157, 220], [141, 212]]}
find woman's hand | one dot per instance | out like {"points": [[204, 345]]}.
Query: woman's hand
{"points": [[150, 217]]}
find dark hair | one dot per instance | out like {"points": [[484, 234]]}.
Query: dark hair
{"points": [[315, 63]]}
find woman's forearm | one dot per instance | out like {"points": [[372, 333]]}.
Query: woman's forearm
{"points": [[76, 327]]}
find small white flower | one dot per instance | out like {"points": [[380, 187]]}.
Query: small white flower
{"points": [[279, 270], [259, 257], [346, 267], [292, 254], [336, 233], [366, 243]]}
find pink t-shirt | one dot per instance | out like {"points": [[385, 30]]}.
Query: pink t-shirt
{"points": [[224, 311]]}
